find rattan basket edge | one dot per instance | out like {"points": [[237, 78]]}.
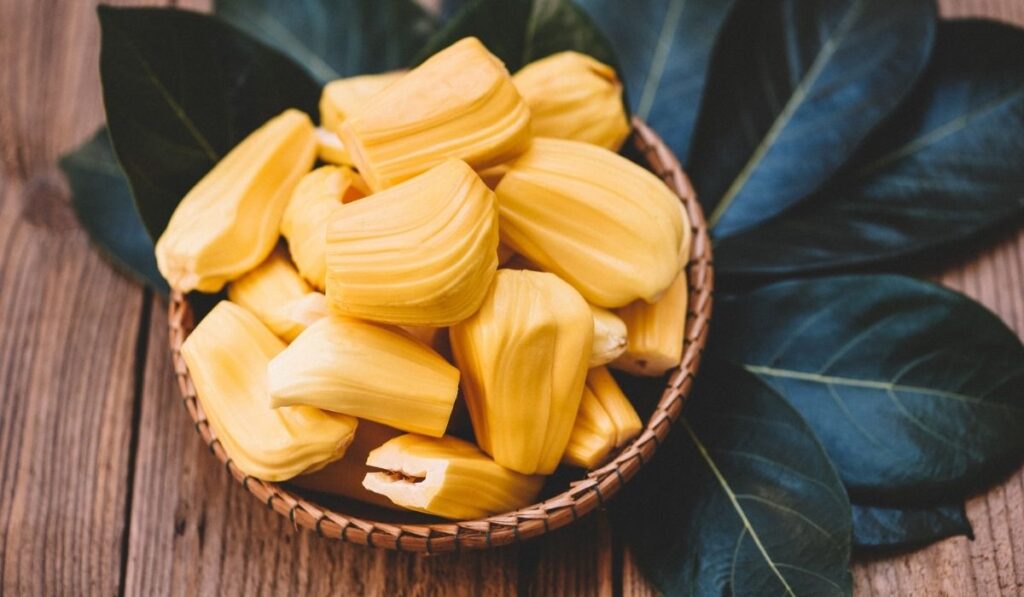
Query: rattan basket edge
{"points": [[581, 498]]}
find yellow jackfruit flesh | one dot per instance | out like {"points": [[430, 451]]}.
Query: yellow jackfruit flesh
{"points": [[330, 149], [447, 477], [620, 410], [306, 310], [609, 337], [460, 103], [573, 96], [305, 219], [368, 371], [342, 98], [602, 223], [345, 477], [421, 253], [655, 332], [268, 291], [228, 223], [227, 356], [523, 358], [593, 434], [606, 420]]}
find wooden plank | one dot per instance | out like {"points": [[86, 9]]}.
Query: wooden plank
{"points": [[67, 355], [195, 530], [576, 560]]}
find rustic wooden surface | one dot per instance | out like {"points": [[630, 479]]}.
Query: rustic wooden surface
{"points": [[106, 489]]}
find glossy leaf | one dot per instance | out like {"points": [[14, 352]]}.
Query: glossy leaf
{"points": [[521, 31], [336, 38], [892, 528], [103, 202], [944, 168], [794, 87], [911, 388], [740, 499], [663, 47], [180, 90]]}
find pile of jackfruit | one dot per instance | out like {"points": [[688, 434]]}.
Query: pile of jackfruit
{"points": [[465, 229]]}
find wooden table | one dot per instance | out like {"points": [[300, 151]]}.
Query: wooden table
{"points": [[104, 486]]}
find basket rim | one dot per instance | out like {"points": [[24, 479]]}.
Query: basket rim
{"points": [[581, 498]]}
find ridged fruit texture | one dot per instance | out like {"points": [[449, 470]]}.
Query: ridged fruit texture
{"points": [[421, 253], [460, 104], [305, 219], [573, 96], [227, 356], [655, 332], [368, 371], [609, 337], [269, 291], [228, 223], [447, 477], [602, 223], [523, 358], [343, 98]]}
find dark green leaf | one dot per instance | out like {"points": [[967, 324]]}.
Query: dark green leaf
{"points": [[336, 38], [890, 528], [663, 47], [181, 89], [911, 388], [104, 205], [794, 86], [521, 31], [945, 167], [740, 499]]}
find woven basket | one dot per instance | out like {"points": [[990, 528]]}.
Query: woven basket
{"points": [[581, 497]]}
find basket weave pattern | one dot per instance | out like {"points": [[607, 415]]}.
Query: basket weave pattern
{"points": [[582, 496]]}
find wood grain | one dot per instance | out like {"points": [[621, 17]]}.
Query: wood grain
{"points": [[68, 324], [104, 486]]}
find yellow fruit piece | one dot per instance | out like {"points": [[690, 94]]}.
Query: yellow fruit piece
{"points": [[307, 309], [228, 223], [447, 477], [460, 104], [620, 410], [573, 96], [342, 98], [609, 337], [558, 176], [606, 420], [421, 253], [367, 371], [330, 149], [304, 223], [523, 357], [605, 225], [655, 332], [227, 356], [267, 292], [593, 434], [345, 477]]}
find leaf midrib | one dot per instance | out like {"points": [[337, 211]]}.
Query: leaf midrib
{"points": [[171, 101], [792, 105], [748, 527], [938, 133], [869, 384], [663, 45]]}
